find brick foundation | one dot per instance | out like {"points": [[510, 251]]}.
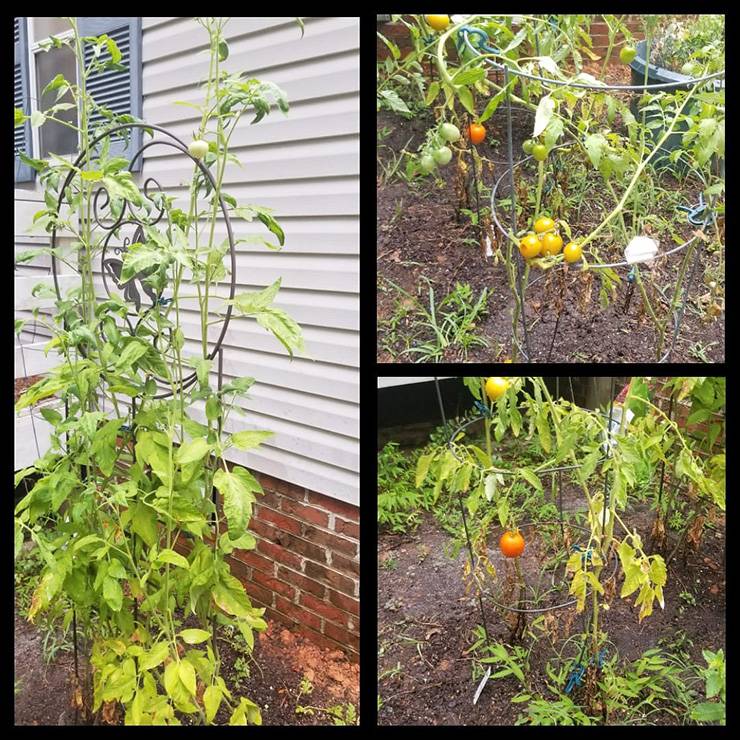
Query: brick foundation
{"points": [[305, 569]]}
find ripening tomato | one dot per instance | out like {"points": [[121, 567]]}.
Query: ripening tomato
{"points": [[552, 243], [572, 252], [198, 148], [477, 133], [543, 224], [443, 155], [511, 544], [427, 163], [530, 246], [449, 132], [627, 54], [496, 387], [539, 152], [438, 22]]}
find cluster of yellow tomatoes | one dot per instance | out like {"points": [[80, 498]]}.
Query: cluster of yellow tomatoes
{"points": [[546, 241]]}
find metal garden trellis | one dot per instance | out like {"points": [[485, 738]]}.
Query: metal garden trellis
{"points": [[610, 440], [110, 267], [464, 39]]}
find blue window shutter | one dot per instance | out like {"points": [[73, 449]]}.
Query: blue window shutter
{"points": [[118, 91], [22, 100]]}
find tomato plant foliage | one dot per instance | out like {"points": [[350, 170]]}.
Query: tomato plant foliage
{"points": [[134, 461]]}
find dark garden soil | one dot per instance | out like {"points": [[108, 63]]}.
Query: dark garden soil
{"points": [[426, 619], [421, 237], [281, 659]]}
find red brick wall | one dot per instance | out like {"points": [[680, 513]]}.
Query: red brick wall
{"points": [[305, 569], [399, 35]]}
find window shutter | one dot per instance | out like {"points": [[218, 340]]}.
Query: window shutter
{"points": [[118, 91], [22, 100]]}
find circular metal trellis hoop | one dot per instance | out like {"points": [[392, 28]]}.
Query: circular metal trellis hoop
{"points": [[465, 32], [554, 607], [180, 147], [678, 316]]}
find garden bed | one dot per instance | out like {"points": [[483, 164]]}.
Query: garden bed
{"points": [[426, 620], [272, 677], [424, 243]]}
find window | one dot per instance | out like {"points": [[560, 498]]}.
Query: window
{"points": [[118, 92]]}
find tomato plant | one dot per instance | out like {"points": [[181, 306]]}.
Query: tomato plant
{"points": [[135, 508], [588, 142]]}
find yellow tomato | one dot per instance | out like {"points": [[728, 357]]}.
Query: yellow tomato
{"points": [[438, 22], [530, 246], [496, 387], [572, 252], [543, 224], [552, 243]]}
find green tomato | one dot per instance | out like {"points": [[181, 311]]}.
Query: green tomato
{"points": [[627, 54], [449, 132], [427, 164], [539, 152], [198, 148], [528, 145], [690, 69], [443, 155]]}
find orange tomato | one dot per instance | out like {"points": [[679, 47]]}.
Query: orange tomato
{"points": [[530, 246], [511, 544], [476, 132], [552, 243]]}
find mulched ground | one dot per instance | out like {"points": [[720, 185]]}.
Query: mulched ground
{"points": [[426, 618], [281, 659], [420, 239]]}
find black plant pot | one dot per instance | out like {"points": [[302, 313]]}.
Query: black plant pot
{"points": [[658, 75]]}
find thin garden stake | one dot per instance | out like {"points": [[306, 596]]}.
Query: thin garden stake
{"points": [[662, 462], [465, 523]]}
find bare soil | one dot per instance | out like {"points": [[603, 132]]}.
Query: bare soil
{"points": [[426, 620], [422, 236], [281, 659]]}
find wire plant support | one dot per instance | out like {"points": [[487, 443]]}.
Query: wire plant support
{"points": [[110, 269], [698, 216], [555, 472]]}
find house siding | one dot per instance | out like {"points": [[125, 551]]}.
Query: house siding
{"points": [[306, 167]]}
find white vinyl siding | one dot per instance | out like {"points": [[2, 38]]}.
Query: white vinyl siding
{"points": [[306, 167]]}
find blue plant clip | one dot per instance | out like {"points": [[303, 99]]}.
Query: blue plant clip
{"points": [[482, 35], [586, 554], [482, 408], [695, 217], [579, 671], [631, 276], [575, 678]]}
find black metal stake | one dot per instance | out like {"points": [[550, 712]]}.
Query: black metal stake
{"points": [[472, 566]]}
